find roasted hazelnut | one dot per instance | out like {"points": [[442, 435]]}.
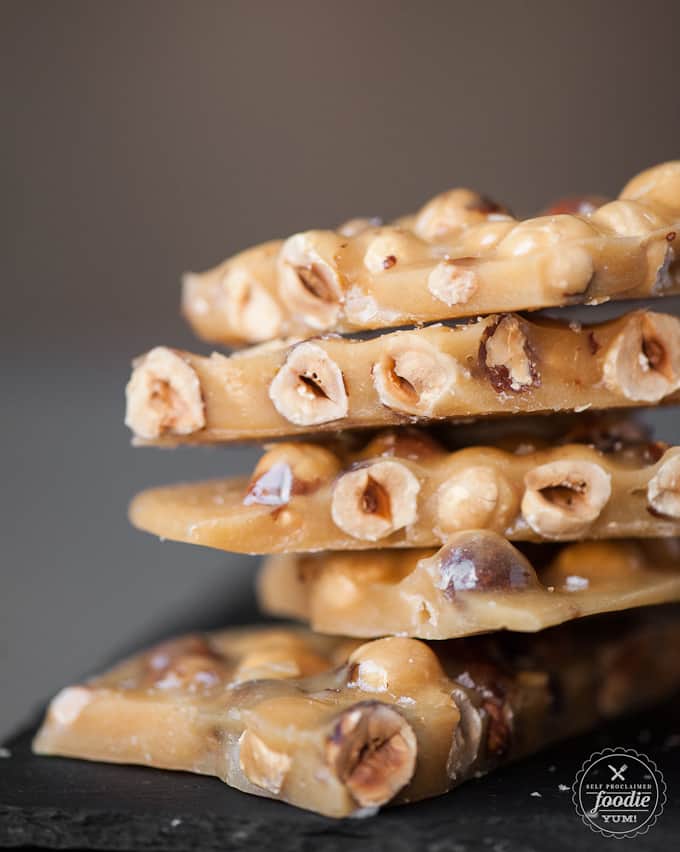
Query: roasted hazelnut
{"points": [[507, 357], [413, 376], [659, 185], [454, 281], [452, 211], [373, 501], [643, 361], [628, 219], [309, 388], [663, 491], [164, 396], [278, 663], [467, 737], [250, 307], [563, 498], [396, 665], [263, 766], [372, 750], [290, 469], [479, 561], [405, 443], [193, 672], [354, 227], [474, 498], [580, 205], [391, 247], [68, 704], [309, 282]]}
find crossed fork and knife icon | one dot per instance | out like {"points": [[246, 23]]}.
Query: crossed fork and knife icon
{"points": [[617, 774]]}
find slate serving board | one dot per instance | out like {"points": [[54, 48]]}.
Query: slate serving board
{"points": [[68, 804]]}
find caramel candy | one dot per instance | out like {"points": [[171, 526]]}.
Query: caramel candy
{"points": [[404, 490], [497, 365], [343, 728], [459, 256], [477, 582]]}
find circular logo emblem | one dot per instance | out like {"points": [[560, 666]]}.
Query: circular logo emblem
{"points": [[619, 792]]}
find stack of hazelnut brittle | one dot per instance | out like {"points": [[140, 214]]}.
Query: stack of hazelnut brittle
{"points": [[396, 529]]}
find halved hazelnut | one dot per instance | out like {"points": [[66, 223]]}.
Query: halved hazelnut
{"points": [[263, 766], [289, 469], [643, 360], [309, 282], [373, 501], [309, 388], [474, 498], [658, 185], [663, 491], [454, 281], [412, 375], [396, 664], [507, 357], [479, 561], [628, 218], [563, 498], [451, 211], [372, 750], [249, 307], [164, 396]]}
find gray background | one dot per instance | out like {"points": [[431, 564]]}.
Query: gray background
{"points": [[142, 139]]}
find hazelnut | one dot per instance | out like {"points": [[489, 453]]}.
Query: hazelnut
{"points": [[372, 751], [507, 357], [479, 561], [412, 375], [467, 737], [563, 498], [451, 211], [262, 765], [290, 469], [658, 185], [249, 307], [164, 396], [389, 248], [405, 443], [309, 388], [354, 227], [396, 665], [643, 361], [192, 672], [663, 491], [454, 281], [628, 219], [473, 498], [580, 205], [309, 282], [373, 501], [68, 704], [279, 662]]}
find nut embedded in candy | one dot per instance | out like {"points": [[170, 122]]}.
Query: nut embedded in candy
{"points": [[452, 211], [309, 388], [373, 501], [250, 307], [289, 469], [475, 497], [643, 361], [412, 376], [663, 491], [308, 280], [480, 561], [262, 765], [507, 357], [454, 282], [628, 218], [395, 664], [563, 498], [659, 185], [372, 750], [389, 248], [164, 396]]}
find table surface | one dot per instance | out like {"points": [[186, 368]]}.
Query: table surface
{"points": [[69, 804]]}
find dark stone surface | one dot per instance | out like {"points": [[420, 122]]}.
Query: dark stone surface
{"points": [[67, 804]]}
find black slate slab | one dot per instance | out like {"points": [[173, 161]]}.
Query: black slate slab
{"points": [[68, 804]]}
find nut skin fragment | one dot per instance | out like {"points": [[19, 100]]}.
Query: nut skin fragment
{"points": [[262, 766], [164, 396], [309, 388], [563, 498], [373, 501], [412, 376], [663, 491], [643, 361], [372, 750], [480, 561], [309, 283], [507, 357], [475, 497], [290, 469]]}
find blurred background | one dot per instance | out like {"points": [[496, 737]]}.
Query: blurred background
{"points": [[143, 139]]}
